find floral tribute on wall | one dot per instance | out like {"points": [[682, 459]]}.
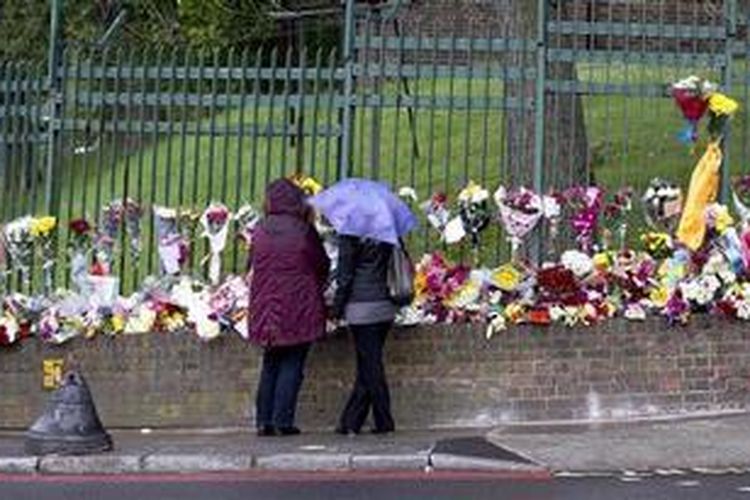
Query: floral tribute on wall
{"points": [[692, 256]]}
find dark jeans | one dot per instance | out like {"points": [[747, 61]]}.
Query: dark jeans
{"points": [[278, 388], [370, 388]]}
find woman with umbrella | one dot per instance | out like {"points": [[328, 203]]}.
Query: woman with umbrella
{"points": [[370, 221], [287, 312]]}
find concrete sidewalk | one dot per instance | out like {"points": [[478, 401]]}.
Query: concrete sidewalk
{"points": [[698, 445], [232, 451], [701, 445]]}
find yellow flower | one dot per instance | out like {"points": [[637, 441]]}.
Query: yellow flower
{"points": [[43, 226], [473, 193], [720, 104], [465, 297], [310, 186], [118, 323], [659, 296], [420, 285], [90, 332], [515, 312], [506, 277], [602, 261], [722, 219]]}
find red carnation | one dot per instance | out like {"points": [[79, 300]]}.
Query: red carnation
{"points": [[80, 226]]}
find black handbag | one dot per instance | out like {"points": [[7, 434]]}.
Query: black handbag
{"points": [[401, 277]]}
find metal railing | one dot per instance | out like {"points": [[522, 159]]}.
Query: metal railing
{"points": [[569, 94]]}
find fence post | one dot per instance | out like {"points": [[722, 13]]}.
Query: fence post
{"points": [[54, 85], [539, 114], [730, 23], [346, 121]]}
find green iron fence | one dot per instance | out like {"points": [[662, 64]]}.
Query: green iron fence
{"points": [[549, 94]]}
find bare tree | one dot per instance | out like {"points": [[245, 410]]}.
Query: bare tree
{"points": [[566, 154]]}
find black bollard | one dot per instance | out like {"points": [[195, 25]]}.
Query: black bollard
{"points": [[69, 424]]}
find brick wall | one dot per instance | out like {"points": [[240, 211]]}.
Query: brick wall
{"points": [[439, 376]]}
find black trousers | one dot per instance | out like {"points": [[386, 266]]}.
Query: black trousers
{"points": [[280, 381], [370, 388]]}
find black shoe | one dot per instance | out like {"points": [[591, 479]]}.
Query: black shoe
{"points": [[382, 430], [288, 431], [345, 431], [266, 431]]}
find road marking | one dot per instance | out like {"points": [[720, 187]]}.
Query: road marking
{"points": [[688, 484], [630, 479]]}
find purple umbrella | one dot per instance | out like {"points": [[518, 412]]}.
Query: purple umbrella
{"points": [[367, 209]]}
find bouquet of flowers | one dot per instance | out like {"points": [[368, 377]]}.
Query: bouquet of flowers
{"points": [[43, 232], [586, 203], [133, 213], [79, 246], [437, 212], [662, 205], [435, 282], [20, 245], [9, 329], [106, 238], [474, 216], [246, 219], [552, 204], [172, 245], [215, 222], [726, 239], [558, 285], [520, 211], [691, 96], [736, 301], [695, 97], [229, 305], [615, 217]]}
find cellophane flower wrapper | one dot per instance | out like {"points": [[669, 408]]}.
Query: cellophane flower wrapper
{"points": [[331, 247], [43, 231], [172, 247], [195, 302], [105, 242], [615, 213], [474, 213], [246, 219], [662, 205], [437, 213], [229, 303], [520, 211], [80, 234], [552, 207], [215, 222], [133, 215], [20, 246]]}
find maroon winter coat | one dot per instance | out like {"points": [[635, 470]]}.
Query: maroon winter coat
{"points": [[290, 268]]}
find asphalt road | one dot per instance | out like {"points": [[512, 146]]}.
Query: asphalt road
{"points": [[352, 486]]}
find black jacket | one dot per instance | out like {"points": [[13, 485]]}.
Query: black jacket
{"points": [[362, 273]]}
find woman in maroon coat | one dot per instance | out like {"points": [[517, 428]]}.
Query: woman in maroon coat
{"points": [[287, 310]]}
